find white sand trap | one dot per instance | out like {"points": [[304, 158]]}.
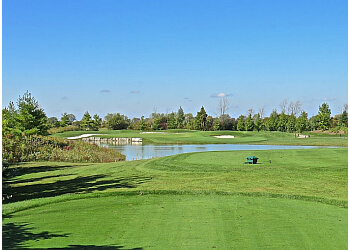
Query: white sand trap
{"points": [[224, 136], [82, 136]]}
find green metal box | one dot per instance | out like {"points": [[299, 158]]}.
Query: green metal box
{"points": [[252, 160]]}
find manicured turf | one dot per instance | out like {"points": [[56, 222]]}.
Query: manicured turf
{"points": [[181, 222], [189, 201], [207, 137]]}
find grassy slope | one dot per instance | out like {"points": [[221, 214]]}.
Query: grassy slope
{"points": [[250, 215], [200, 137], [309, 172]]}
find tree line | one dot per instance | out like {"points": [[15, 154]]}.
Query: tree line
{"points": [[27, 116]]}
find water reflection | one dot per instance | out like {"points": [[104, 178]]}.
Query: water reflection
{"points": [[147, 151]]}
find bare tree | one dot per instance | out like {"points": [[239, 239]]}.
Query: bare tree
{"points": [[290, 108], [283, 106], [294, 108], [297, 107], [262, 111], [343, 108], [250, 111], [223, 106]]}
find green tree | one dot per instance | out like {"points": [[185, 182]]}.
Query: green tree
{"points": [[291, 123], [201, 119], [156, 123], [343, 119], [31, 115], [302, 123], [216, 125], [226, 122], [97, 121], [67, 119], [116, 121], [324, 117], [249, 124], [53, 121], [258, 122], [143, 124], [189, 121], [241, 124], [271, 123], [209, 123], [180, 118], [282, 122], [28, 118], [86, 122], [171, 121], [313, 121], [10, 123]]}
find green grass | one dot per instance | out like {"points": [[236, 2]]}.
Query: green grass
{"points": [[188, 201], [183, 222], [207, 137]]}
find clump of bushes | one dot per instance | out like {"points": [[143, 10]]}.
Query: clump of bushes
{"points": [[21, 148], [56, 130]]}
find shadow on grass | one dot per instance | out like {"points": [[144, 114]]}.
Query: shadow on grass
{"points": [[18, 170], [86, 184], [35, 179], [15, 236], [91, 247], [19, 190]]}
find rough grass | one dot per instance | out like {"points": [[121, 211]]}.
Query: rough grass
{"points": [[189, 201]]}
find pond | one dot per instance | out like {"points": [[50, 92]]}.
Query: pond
{"points": [[147, 151]]}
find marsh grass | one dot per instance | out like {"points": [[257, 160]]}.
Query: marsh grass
{"points": [[41, 148]]}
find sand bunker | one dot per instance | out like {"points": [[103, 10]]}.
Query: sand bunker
{"points": [[224, 136], [82, 136]]}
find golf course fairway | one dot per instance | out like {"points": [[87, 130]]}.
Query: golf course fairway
{"points": [[292, 199]]}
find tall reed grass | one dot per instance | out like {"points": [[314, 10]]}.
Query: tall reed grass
{"points": [[17, 149]]}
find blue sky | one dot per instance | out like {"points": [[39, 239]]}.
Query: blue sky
{"points": [[134, 56]]}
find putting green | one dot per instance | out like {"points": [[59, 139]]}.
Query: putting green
{"points": [[179, 222]]}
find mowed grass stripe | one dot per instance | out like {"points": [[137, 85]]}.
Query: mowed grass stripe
{"points": [[188, 222]]}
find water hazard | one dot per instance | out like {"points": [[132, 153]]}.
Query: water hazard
{"points": [[147, 151]]}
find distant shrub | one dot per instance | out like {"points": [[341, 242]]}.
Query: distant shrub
{"points": [[63, 129], [41, 148]]}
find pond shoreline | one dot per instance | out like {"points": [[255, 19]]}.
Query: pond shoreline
{"points": [[149, 151]]}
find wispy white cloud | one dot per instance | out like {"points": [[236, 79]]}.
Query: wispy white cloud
{"points": [[328, 99], [105, 91], [220, 95], [324, 99]]}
